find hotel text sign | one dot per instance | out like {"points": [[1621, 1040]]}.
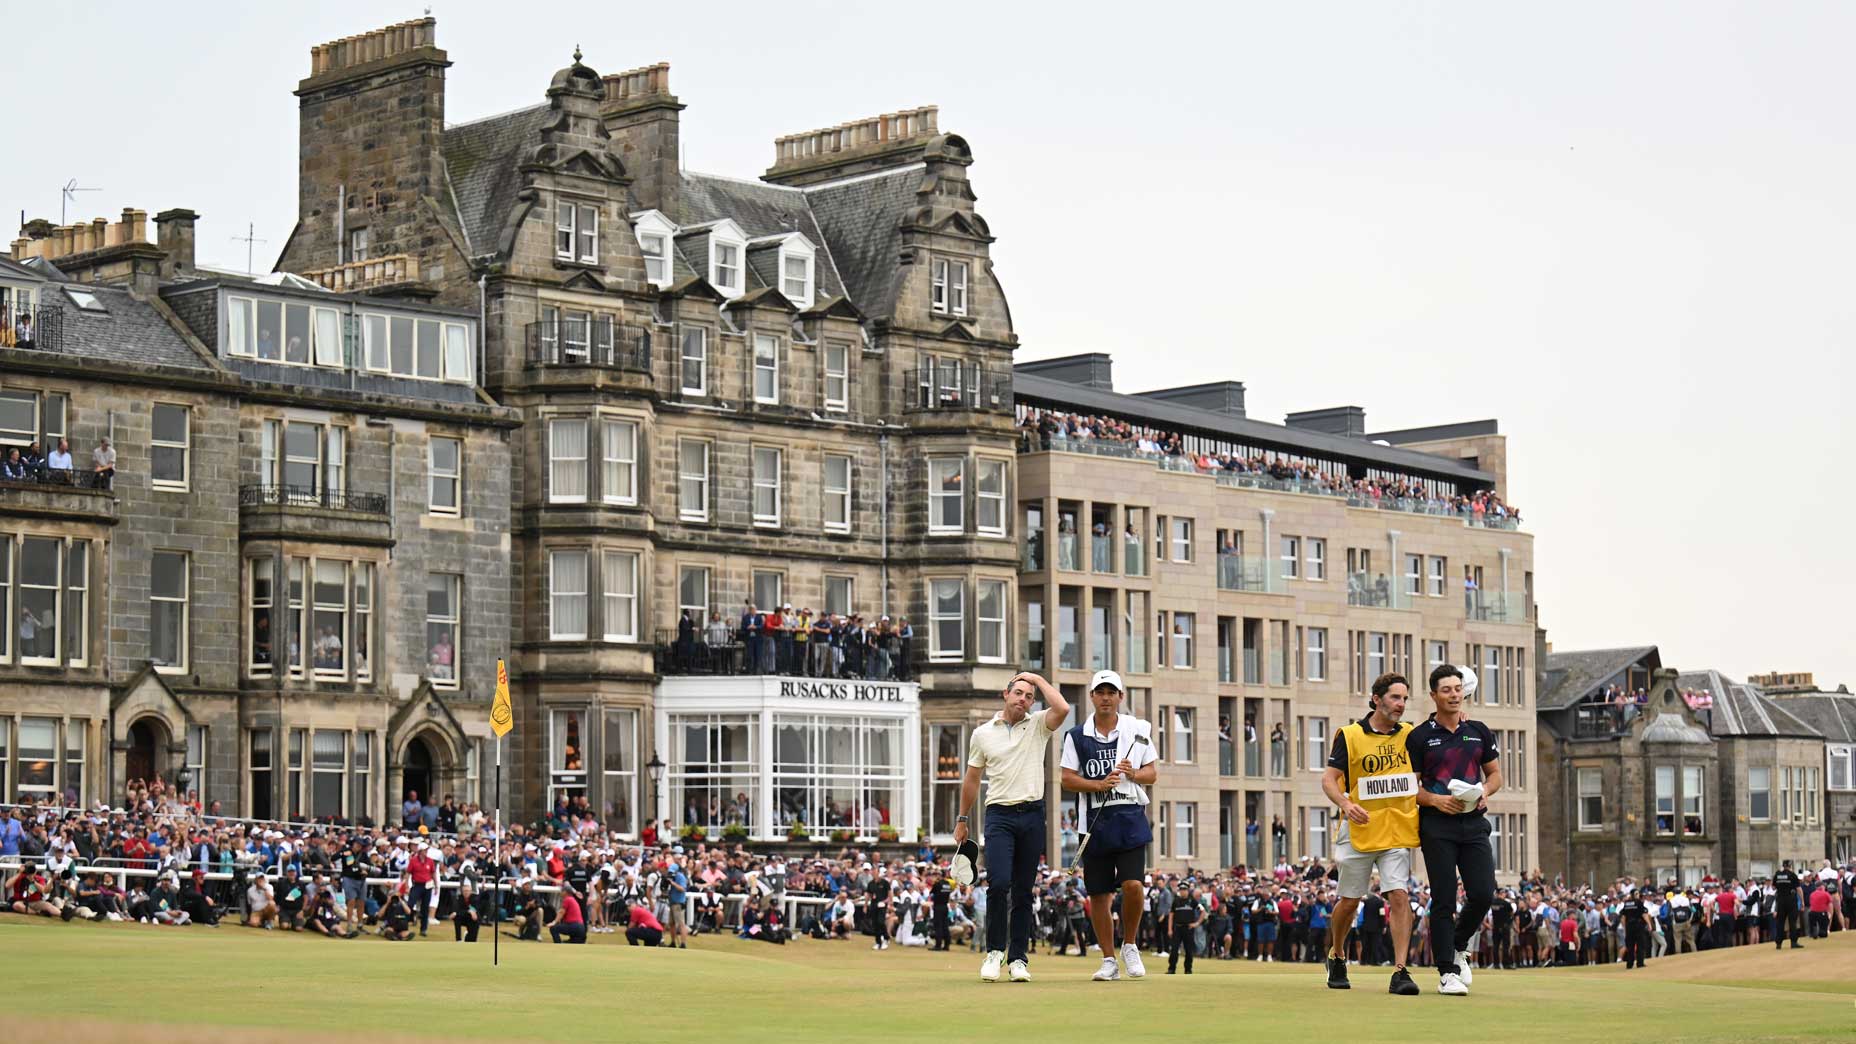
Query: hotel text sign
{"points": [[852, 692]]}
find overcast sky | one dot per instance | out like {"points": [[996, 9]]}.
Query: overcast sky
{"points": [[1622, 229]]}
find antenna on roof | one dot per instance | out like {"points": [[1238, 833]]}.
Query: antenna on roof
{"points": [[69, 193], [250, 240]]}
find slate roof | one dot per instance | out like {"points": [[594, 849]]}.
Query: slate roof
{"points": [[861, 220], [128, 330], [760, 210], [10, 267], [1742, 710], [480, 162], [1832, 714], [1572, 675]]}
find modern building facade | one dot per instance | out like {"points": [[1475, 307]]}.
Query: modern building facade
{"points": [[1249, 614]]}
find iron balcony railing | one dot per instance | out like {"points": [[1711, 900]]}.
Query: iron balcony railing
{"points": [[958, 388], [43, 474], [311, 497], [589, 342], [34, 329]]}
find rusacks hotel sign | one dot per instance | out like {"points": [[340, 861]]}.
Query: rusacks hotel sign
{"points": [[853, 692]]}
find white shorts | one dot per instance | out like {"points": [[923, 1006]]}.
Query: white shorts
{"points": [[1356, 869]]}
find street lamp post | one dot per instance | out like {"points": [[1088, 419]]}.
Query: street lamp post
{"points": [[655, 769]]}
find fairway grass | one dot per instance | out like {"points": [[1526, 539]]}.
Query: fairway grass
{"points": [[105, 982]]}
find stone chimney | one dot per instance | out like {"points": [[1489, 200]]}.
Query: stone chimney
{"points": [[860, 146], [175, 231], [371, 120], [641, 115], [1349, 421]]}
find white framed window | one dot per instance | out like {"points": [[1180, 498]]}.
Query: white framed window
{"points": [[766, 481], [444, 600], [1184, 627], [1693, 801], [357, 244], [618, 584], [1414, 574], [946, 619], [1317, 819], [945, 487], [769, 588], [796, 268], [1437, 654], [655, 246], [363, 644], [445, 463], [1842, 767], [1162, 834], [567, 461], [328, 633], [1436, 585], [241, 326], [1185, 837], [167, 625], [989, 497], [1291, 557], [576, 329], [693, 480], [1759, 794], [1785, 794], [620, 761], [727, 248], [258, 601], [693, 360], [950, 287], [1665, 810], [169, 440], [693, 594], [335, 461], [76, 603], [1182, 735], [196, 759], [457, 353], [839, 594], [1591, 799], [836, 357], [567, 575], [376, 342], [766, 368], [1810, 796], [1317, 744], [576, 232], [1182, 539], [990, 599], [618, 456], [655, 233], [1317, 559], [1316, 654], [837, 494]]}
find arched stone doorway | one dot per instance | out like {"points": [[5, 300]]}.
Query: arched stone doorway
{"points": [[148, 751], [417, 773]]}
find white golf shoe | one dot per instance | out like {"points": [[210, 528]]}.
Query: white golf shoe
{"points": [[1021, 972], [989, 970], [1131, 958], [1463, 969], [1452, 986], [1109, 972]]}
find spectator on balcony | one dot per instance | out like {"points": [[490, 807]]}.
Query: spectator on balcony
{"points": [[784, 646], [35, 462], [13, 468], [23, 335], [685, 649], [715, 637], [103, 461], [751, 636], [854, 640], [1469, 592], [819, 647], [905, 641], [59, 461]]}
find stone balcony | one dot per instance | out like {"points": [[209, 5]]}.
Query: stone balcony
{"points": [[268, 512], [65, 496]]}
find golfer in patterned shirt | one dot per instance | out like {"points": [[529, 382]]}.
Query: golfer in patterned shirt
{"points": [[1107, 760]]}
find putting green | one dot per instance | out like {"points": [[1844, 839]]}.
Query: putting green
{"points": [[96, 982]]}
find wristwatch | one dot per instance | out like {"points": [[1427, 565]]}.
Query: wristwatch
{"points": [[961, 819]]}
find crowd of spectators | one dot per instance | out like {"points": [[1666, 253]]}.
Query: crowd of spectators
{"points": [[566, 878], [1040, 428], [33, 464], [797, 643]]}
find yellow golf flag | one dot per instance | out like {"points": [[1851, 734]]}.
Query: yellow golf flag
{"points": [[502, 716]]}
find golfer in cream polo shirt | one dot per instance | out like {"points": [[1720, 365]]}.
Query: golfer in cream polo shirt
{"points": [[1011, 750]]}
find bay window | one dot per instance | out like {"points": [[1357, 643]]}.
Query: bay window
{"points": [[945, 488], [566, 754], [619, 462], [329, 594], [619, 762], [989, 501], [619, 589], [567, 576], [567, 461], [990, 600]]}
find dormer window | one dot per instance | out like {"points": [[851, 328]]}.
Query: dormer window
{"points": [[728, 249], [727, 266], [576, 232], [796, 268], [655, 233]]}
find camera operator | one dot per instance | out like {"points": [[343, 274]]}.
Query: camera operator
{"points": [[29, 892]]}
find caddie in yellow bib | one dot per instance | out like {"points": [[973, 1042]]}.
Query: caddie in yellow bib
{"points": [[1369, 778]]}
